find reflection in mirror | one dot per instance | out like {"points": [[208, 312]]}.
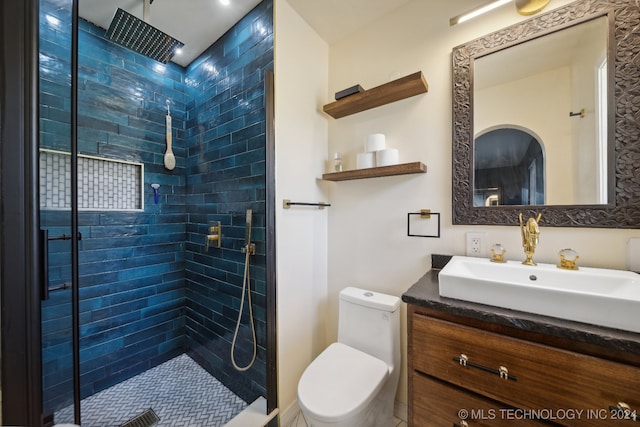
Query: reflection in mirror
{"points": [[540, 120], [508, 169]]}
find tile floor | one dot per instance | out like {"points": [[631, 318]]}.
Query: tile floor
{"points": [[399, 422], [179, 391], [299, 421]]}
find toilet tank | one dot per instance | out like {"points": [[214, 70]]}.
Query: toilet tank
{"points": [[370, 322]]}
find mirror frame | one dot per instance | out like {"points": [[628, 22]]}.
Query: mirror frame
{"points": [[623, 209]]}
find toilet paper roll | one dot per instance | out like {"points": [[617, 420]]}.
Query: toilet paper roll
{"points": [[365, 160], [374, 142], [387, 157]]}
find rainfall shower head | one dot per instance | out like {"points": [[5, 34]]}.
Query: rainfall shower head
{"points": [[141, 37]]}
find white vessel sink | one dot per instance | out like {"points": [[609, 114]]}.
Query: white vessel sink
{"points": [[592, 295]]}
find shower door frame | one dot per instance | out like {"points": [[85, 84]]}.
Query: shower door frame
{"points": [[21, 349], [19, 275], [270, 202]]}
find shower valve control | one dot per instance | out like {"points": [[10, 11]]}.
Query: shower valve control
{"points": [[214, 236]]}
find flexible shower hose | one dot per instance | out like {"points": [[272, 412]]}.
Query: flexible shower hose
{"points": [[246, 284]]}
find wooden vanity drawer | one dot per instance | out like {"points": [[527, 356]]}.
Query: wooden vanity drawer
{"points": [[539, 377], [440, 405]]}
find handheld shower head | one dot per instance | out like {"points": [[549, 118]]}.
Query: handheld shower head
{"points": [[247, 235]]}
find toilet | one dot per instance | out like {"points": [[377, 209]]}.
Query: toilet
{"points": [[353, 381]]}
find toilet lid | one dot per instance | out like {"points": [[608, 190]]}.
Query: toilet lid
{"points": [[339, 382]]}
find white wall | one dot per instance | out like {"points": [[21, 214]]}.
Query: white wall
{"points": [[301, 67], [366, 243]]}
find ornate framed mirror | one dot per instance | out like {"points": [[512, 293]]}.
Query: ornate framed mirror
{"points": [[595, 127]]}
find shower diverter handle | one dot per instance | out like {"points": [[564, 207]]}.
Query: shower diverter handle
{"points": [[214, 236]]}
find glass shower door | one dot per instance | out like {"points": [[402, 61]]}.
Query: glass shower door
{"points": [[57, 211]]}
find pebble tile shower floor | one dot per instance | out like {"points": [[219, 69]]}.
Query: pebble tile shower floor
{"points": [[179, 391]]}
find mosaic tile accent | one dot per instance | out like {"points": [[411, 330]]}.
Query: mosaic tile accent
{"points": [[179, 391], [103, 184]]}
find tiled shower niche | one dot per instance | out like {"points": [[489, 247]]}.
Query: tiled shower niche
{"points": [[103, 184]]}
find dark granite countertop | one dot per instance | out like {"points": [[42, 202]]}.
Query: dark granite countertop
{"points": [[424, 293]]}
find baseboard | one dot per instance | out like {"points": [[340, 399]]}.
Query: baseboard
{"points": [[288, 416], [401, 411]]}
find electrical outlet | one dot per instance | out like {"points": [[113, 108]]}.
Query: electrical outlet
{"points": [[476, 243]]}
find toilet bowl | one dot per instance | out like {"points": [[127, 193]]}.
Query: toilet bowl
{"points": [[353, 381]]}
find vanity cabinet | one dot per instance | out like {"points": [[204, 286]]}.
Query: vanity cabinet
{"points": [[467, 372]]}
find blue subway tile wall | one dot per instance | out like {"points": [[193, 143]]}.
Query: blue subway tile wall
{"points": [[148, 290], [225, 139]]}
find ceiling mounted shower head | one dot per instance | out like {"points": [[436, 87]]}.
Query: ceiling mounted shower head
{"points": [[141, 37]]}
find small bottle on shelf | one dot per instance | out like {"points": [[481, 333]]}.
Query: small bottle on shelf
{"points": [[337, 162]]}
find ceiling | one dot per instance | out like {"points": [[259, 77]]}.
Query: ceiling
{"points": [[199, 23], [336, 19], [196, 23]]}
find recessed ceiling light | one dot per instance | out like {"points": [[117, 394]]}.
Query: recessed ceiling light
{"points": [[225, 2], [178, 51]]}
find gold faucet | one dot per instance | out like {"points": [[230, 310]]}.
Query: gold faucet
{"points": [[497, 253], [530, 235], [568, 259]]}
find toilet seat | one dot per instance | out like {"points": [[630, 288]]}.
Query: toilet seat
{"points": [[340, 382]]}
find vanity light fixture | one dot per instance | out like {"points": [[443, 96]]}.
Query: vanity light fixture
{"points": [[530, 7], [477, 12], [524, 7]]}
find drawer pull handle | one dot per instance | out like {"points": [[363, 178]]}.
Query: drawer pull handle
{"points": [[502, 372], [463, 359], [624, 412], [463, 423]]}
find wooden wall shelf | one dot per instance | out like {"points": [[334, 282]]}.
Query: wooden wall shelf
{"points": [[402, 169], [405, 87]]}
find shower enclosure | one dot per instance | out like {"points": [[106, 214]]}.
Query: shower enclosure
{"points": [[128, 281]]}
